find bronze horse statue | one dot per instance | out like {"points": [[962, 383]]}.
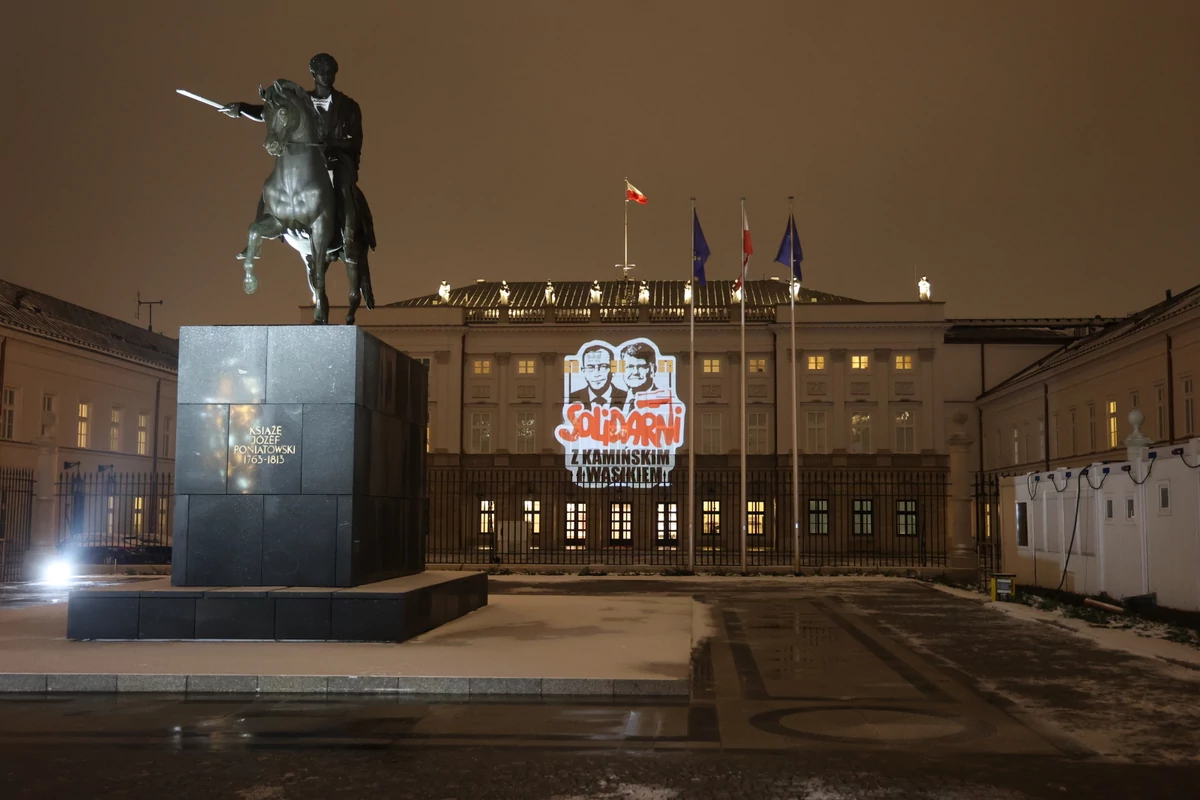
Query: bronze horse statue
{"points": [[299, 203]]}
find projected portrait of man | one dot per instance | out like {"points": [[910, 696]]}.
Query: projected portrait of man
{"points": [[596, 366]]}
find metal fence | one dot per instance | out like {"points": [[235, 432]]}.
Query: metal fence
{"points": [[987, 525], [16, 514], [848, 518], [126, 518]]}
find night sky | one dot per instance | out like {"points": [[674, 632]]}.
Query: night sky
{"points": [[1032, 158]]}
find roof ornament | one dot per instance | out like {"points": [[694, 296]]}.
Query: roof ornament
{"points": [[795, 289], [687, 293], [923, 289], [504, 293], [594, 295], [549, 293], [444, 292], [644, 294]]}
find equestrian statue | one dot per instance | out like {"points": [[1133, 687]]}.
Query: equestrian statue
{"points": [[311, 198]]}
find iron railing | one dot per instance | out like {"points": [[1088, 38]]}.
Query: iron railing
{"points": [[124, 518], [848, 518], [987, 525], [16, 515]]}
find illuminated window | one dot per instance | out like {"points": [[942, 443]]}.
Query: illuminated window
{"points": [[483, 366], [164, 514], [571, 366], [756, 517], [114, 430], [758, 365], [428, 436], [576, 526], [903, 362], [863, 517], [860, 433], [526, 431], [81, 431], [139, 505], [1112, 423], [666, 365], [1189, 408], [487, 517], [8, 413], [860, 362], [712, 366], [710, 521], [818, 517], [165, 449], [756, 434], [906, 517], [481, 432], [525, 366], [816, 440], [905, 423], [667, 524], [816, 363], [621, 531], [49, 406], [710, 433], [533, 521], [142, 434]]}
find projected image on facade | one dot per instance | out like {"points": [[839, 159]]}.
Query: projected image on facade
{"points": [[622, 417]]}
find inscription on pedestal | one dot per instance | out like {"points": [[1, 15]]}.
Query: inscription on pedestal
{"points": [[265, 449]]}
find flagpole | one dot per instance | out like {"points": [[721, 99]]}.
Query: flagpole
{"points": [[691, 417], [625, 263], [742, 415], [793, 287]]}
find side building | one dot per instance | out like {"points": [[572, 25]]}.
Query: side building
{"points": [[1083, 501], [884, 405], [87, 402]]}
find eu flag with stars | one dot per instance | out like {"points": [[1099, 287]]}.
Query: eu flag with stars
{"points": [[700, 251], [786, 255]]}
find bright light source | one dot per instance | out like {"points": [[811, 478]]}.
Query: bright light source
{"points": [[58, 572]]}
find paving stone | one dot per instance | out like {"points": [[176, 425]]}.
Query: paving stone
{"points": [[434, 685], [152, 683], [81, 683], [577, 686], [16, 682], [362, 684], [506, 686], [201, 684], [293, 684]]}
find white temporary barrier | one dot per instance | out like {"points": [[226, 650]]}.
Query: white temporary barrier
{"points": [[1122, 528]]}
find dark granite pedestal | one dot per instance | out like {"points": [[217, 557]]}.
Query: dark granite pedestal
{"points": [[388, 611], [300, 480]]}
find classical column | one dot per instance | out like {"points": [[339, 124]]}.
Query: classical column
{"points": [[835, 435], [958, 511], [43, 535]]}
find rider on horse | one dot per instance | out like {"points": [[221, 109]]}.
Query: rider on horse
{"points": [[340, 130]]}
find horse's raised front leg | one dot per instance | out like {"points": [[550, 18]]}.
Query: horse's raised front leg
{"points": [[265, 227]]}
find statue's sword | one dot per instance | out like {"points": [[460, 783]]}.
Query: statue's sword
{"points": [[204, 100]]}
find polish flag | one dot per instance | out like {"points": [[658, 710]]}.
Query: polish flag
{"points": [[632, 193], [747, 251]]}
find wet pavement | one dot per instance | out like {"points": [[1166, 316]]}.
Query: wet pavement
{"points": [[37, 593], [822, 689]]}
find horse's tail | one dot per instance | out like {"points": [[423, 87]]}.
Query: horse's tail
{"points": [[364, 280]]}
